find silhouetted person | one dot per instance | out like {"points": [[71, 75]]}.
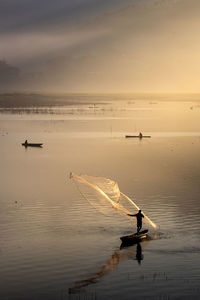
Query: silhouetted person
{"points": [[139, 255], [140, 135], [139, 217], [26, 142]]}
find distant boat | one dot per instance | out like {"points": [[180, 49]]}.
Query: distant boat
{"points": [[26, 144], [137, 136]]}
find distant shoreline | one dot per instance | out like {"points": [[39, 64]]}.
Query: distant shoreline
{"points": [[36, 99]]}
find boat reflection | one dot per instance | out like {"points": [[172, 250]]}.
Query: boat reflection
{"points": [[134, 252], [139, 256]]}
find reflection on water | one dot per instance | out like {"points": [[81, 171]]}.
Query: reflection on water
{"points": [[52, 240], [139, 255], [131, 252], [105, 270]]}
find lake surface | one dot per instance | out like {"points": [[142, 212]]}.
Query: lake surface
{"points": [[54, 244]]}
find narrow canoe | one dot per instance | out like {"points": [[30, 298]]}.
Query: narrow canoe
{"points": [[137, 136], [32, 145], [134, 238]]}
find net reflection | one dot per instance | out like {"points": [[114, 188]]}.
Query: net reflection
{"points": [[124, 253]]}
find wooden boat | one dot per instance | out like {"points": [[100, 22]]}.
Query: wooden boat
{"points": [[134, 238], [137, 136], [32, 145]]}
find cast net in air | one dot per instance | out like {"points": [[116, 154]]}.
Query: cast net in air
{"points": [[104, 194]]}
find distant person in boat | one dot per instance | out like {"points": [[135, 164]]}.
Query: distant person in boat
{"points": [[140, 135], [26, 143], [139, 217]]}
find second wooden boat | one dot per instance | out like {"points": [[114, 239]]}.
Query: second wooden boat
{"points": [[137, 136], [32, 145]]}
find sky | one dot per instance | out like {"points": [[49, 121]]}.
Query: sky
{"points": [[100, 45]]}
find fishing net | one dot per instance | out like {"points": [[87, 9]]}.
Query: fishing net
{"points": [[104, 194]]}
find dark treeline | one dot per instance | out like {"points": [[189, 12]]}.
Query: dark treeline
{"points": [[25, 99]]}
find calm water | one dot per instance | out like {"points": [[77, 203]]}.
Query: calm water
{"points": [[54, 245]]}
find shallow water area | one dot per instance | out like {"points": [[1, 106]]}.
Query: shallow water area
{"points": [[55, 245]]}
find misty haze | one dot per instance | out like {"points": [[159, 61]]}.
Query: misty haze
{"points": [[101, 46], [99, 149]]}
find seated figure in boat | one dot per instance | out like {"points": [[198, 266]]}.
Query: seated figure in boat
{"points": [[140, 135], [139, 217], [26, 143]]}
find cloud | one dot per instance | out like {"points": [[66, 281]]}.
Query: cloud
{"points": [[32, 47], [32, 28], [142, 45], [8, 74], [36, 15]]}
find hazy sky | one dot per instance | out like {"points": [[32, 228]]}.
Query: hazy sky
{"points": [[103, 45]]}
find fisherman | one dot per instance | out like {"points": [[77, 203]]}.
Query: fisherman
{"points": [[139, 217], [26, 142], [140, 135]]}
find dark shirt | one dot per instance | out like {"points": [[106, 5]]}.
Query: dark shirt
{"points": [[139, 217]]}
